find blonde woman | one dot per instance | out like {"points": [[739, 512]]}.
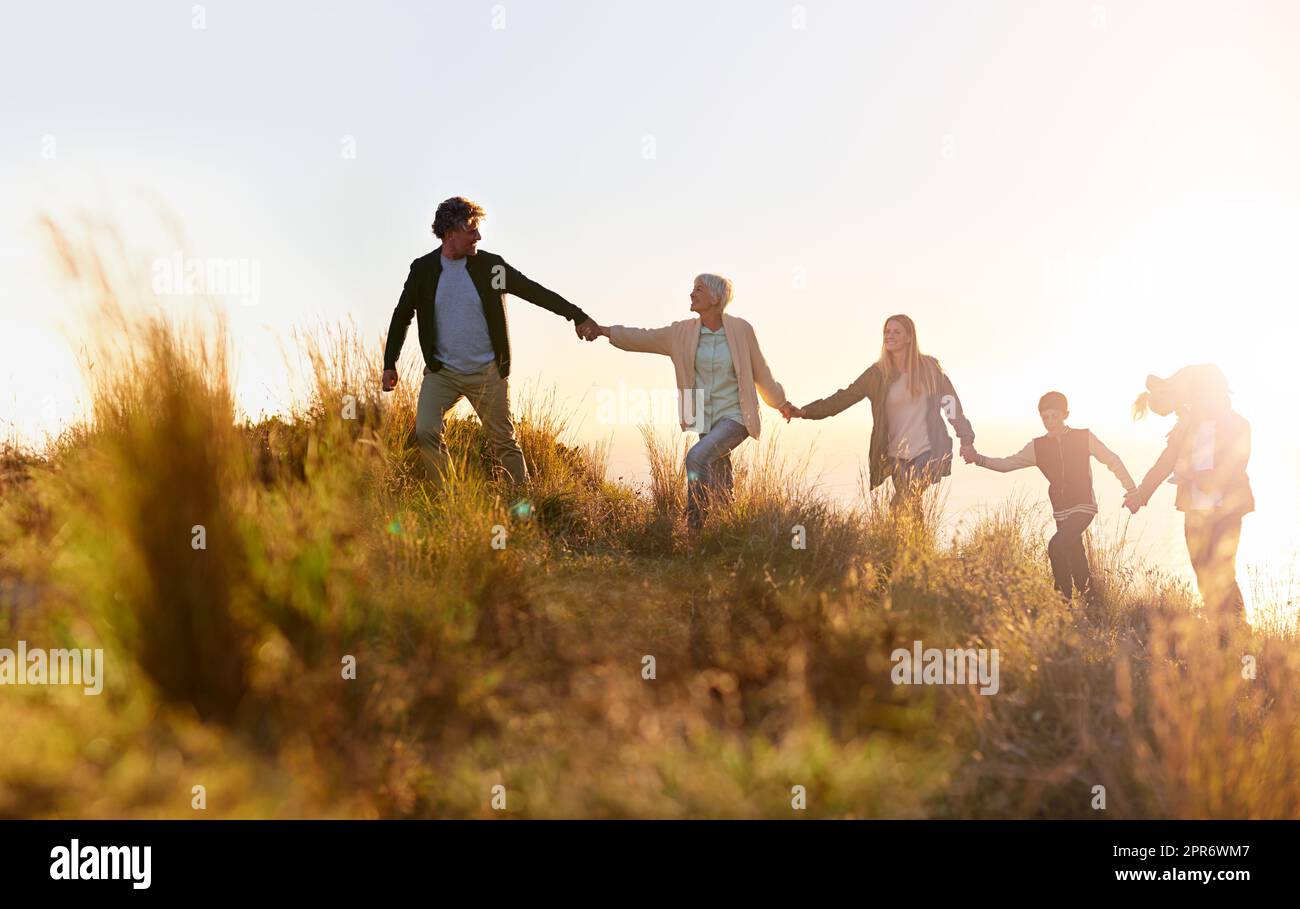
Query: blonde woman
{"points": [[720, 375], [909, 394], [1207, 454]]}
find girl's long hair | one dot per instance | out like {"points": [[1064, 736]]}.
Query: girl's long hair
{"points": [[1203, 386], [921, 377]]}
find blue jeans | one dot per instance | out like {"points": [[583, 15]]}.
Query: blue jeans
{"points": [[708, 468], [913, 476]]}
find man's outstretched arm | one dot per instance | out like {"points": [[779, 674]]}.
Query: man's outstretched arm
{"points": [[526, 288], [401, 321]]}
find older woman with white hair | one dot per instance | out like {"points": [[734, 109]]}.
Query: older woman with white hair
{"points": [[720, 375]]}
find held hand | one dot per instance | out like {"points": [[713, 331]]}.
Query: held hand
{"points": [[1133, 502], [969, 454], [388, 380], [788, 410], [588, 330]]}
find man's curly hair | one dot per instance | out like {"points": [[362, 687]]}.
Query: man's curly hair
{"points": [[454, 214]]}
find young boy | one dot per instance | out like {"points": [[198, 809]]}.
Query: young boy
{"points": [[1064, 456]]}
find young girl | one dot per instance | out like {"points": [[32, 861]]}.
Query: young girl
{"points": [[910, 394], [1207, 454]]}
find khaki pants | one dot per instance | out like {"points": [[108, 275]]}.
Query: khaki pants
{"points": [[488, 394]]}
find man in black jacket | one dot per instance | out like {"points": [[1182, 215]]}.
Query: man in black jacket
{"points": [[458, 294]]}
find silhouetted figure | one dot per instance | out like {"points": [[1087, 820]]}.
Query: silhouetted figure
{"points": [[1207, 454]]}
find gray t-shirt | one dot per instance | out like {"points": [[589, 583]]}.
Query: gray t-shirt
{"points": [[464, 344]]}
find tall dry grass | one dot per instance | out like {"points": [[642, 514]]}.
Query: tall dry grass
{"points": [[523, 664]]}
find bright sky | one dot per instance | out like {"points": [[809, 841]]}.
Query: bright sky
{"points": [[1064, 195]]}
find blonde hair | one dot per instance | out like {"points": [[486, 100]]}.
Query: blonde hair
{"points": [[920, 375], [721, 288], [1142, 405]]}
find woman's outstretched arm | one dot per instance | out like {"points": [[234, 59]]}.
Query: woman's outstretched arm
{"points": [[640, 340], [952, 409], [842, 399]]}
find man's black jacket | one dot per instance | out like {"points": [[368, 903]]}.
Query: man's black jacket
{"points": [[493, 278]]}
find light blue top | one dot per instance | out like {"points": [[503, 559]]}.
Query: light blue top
{"points": [[717, 389]]}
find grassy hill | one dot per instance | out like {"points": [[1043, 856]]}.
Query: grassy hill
{"points": [[522, 664], [233, 575]]}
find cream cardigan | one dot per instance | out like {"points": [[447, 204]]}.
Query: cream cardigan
{"points": [[680, 340]]}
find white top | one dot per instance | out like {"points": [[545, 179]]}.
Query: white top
{"points": [[908, 436], [1198, 456]]}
